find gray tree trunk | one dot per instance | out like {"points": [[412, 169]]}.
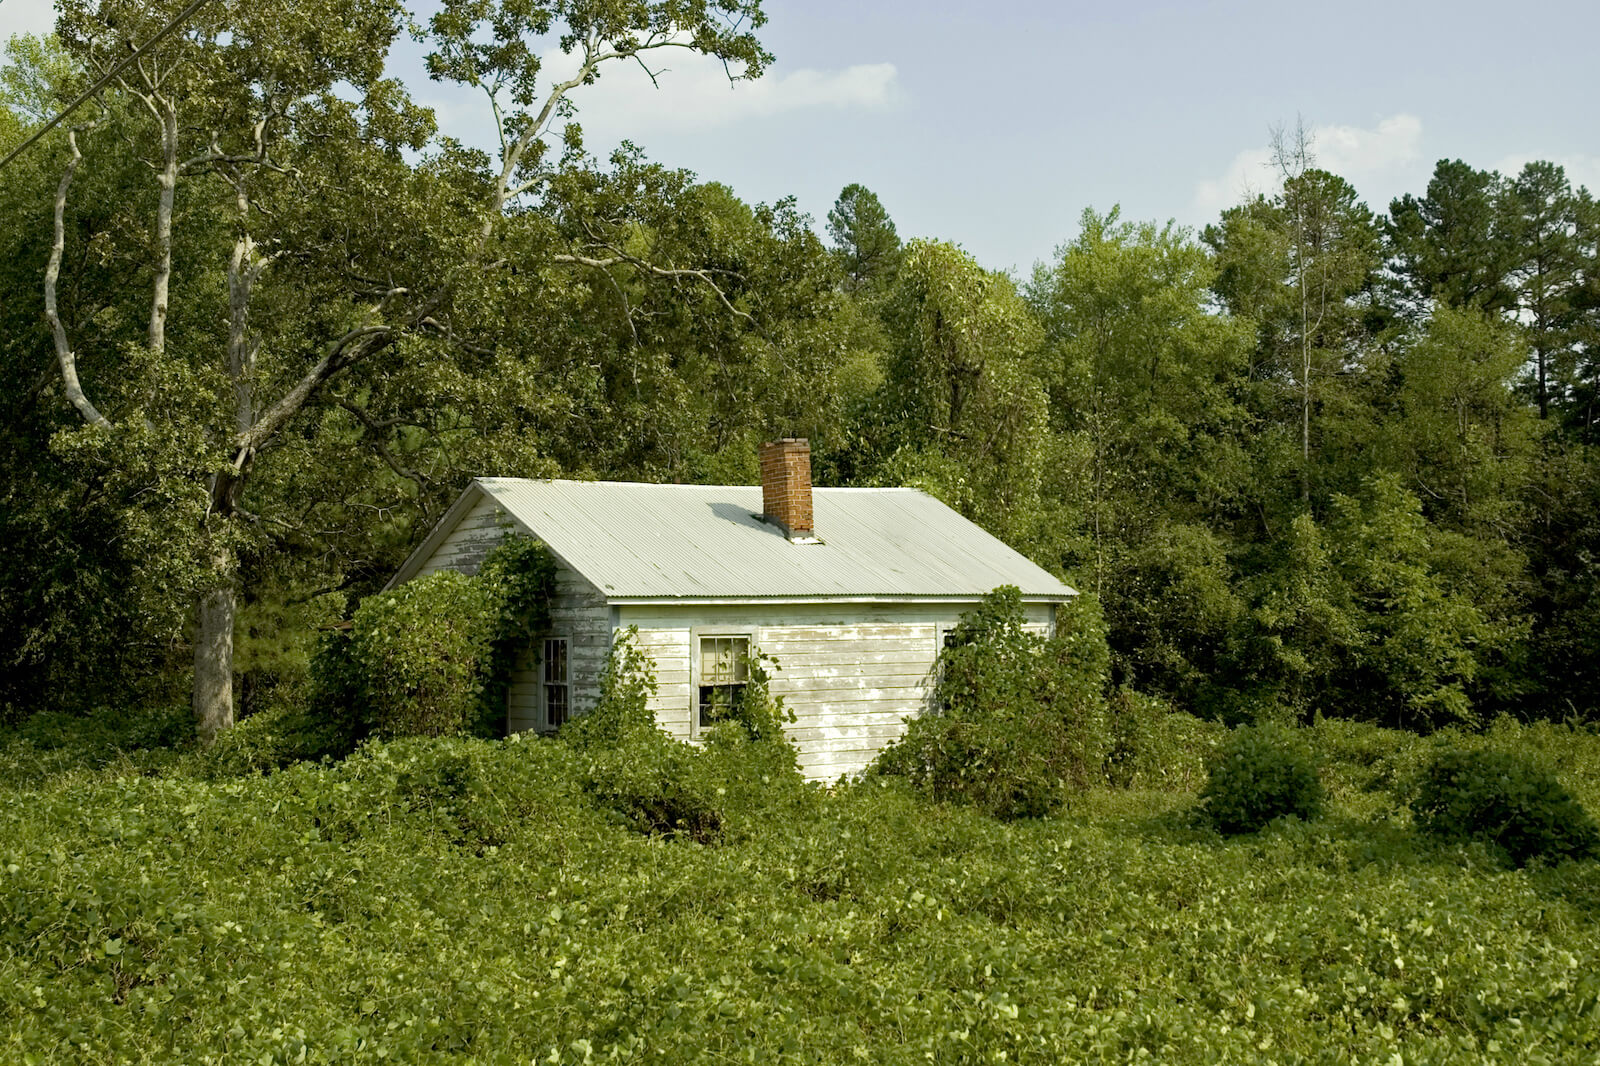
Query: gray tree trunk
{"points": [[213, 663]]}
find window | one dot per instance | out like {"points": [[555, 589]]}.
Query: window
{"points": [[724, 671], [556, 688], [950, 636]]}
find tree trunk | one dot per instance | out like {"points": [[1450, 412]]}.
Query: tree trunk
{"points": [[213, 661], [156, 333]]}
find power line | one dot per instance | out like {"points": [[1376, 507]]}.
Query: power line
{"points": [[178, 20]]}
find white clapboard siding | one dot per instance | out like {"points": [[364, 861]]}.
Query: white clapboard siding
{"points": [[578, 612], [478, 531], [852, 674]]}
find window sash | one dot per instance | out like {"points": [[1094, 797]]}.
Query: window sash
{"points": [[557, 688], [724, 672]]}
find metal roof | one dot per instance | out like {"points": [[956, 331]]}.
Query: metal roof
{"points": [[706, 542]]}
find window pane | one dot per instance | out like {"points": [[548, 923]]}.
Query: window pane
{"points": [[555, 704], [724, 671], [555, 661], [724, 660], [716, 701]]}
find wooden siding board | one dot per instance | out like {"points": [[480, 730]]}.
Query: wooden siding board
{"points": [[852, 674]]}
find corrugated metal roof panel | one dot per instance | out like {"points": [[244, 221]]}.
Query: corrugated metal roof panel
{"points": [[639, 541]]}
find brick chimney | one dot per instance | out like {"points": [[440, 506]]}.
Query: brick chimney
{"points": [[786, 486]]}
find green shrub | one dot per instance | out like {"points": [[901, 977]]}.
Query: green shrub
{"points": [[144, 739], [622, 713], [745, 768], [1020, 719], [446, 900], [433, 657], [279, 737], [421, 651], [1153, 746], [654, 783], [1260, 773], [519, 577], [1505, 800]]}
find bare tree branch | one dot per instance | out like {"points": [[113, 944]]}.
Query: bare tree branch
{"points": [[375, 431], [618, 258], [64, 353]]}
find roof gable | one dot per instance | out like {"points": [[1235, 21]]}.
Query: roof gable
{"points": [[643, 542]]}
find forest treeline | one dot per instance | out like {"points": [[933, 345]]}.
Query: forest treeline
{"points": [[260, 322]]}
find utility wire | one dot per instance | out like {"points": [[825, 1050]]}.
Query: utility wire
{"points": [[178, 20]]}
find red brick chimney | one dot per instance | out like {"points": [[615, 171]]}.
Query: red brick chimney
{"points": [[786, 486]]}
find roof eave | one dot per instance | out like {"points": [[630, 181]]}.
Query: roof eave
{"points": [[687, 601]]}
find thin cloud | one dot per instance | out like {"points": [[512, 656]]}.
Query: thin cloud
{"points": [[1379, 158], [692, 92], [1581, 170]]}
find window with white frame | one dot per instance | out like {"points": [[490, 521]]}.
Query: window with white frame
{"points": [[723, 671], [556, 690]]}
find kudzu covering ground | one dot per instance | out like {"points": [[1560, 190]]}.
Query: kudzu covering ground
{"points": [[456, 900]]}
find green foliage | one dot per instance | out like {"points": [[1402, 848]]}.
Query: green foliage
{"points": [[960, 413], [622, 715], [655, 784], [1507, 801], [433, 657], [279, 737], [441, 900], [519, 577], [1261, 773], [51, 743], [1021, 720], [423, 653], [864, 236], [1154, 747]]}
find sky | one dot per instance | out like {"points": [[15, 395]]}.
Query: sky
{"points": [[994, 125]]}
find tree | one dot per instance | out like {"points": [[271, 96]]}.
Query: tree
{"points": [[1147, 380], [1303, 266], [961, 409], [1540, 216], [276, 120], [1460, 436], [864, 236], [1449, 246], [1585, 402]]}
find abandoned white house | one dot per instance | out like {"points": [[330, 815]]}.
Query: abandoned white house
{"points": [[854, 606]]}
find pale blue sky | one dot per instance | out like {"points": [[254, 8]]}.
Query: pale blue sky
{"points": [[994, 125]]}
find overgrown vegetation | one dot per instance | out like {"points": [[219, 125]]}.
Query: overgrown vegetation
{"points": [[1020, 721], [455, 899], [1259, 774], [433, 656], [1384, 511], [659, 785], [1507, 801]]}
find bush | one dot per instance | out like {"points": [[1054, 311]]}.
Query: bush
{"points": [[663, 786], [651, 781], [433, 657], [1507, 801], [421, 651], [278, 737], [1020, 719], [144, 739], [1153, 746], [1261, 773]]}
